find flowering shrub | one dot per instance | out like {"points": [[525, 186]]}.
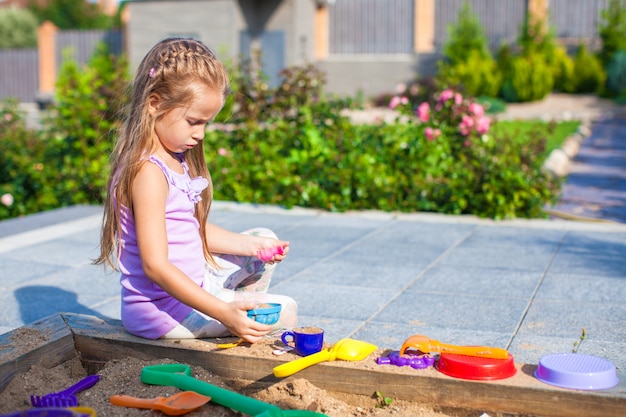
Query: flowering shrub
{"points": [[460, 119], [439, 157], [21, 168], [451, 113], [456, 165]]}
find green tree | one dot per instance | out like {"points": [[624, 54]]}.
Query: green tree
{"points": [[467, 37], [612, 31], [71, 14], [469, 64], [18, 28]]}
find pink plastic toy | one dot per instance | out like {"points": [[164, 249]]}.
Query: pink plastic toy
{"points": [[268, 254]]}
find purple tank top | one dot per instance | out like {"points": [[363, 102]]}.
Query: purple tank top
{"points": [[147, 310]]}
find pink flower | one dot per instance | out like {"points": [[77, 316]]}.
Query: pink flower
{"points": [[432, 134], [397, 101], [458, 99], [477, 109], [423, 112], [466, 126], [429, 132], [482, 125], [446, 95], [7, 199], [222, 152]]}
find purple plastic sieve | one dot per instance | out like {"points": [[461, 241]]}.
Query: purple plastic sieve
{"points": [[577, 371]]}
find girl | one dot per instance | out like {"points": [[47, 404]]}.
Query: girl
{"points": [[182, 277]]}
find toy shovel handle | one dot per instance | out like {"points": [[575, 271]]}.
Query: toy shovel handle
{"points": [[81, 385], [128, 401], [179, 376], [481, 351], [292, 367]]}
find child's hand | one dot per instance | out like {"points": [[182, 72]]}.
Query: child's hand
{"points": [[239, 324], [267, 254], [274, 253]]}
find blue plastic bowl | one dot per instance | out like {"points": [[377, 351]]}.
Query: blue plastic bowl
{"points": [[267, 313]]}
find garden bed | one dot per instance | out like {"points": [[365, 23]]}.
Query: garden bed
{"points": [[55, 352]]}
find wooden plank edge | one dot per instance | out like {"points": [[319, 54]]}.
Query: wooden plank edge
{"points": [[101, 340], [48, 342]]}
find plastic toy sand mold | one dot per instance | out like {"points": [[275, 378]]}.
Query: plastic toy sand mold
{"points": [[577, 371], [266, 313], [475, 367]]}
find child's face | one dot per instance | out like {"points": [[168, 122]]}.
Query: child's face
{"points": [[182, 128]]}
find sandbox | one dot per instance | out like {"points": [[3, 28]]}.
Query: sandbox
{"points": [[93, 343]]}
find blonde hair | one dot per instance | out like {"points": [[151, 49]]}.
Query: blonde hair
{"points": [[169, 70]]}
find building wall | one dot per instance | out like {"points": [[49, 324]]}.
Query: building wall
{"points": [[218, 24], [370, 76], [214, 22]]}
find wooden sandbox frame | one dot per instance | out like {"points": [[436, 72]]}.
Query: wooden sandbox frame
{"points": [[96, 341]]}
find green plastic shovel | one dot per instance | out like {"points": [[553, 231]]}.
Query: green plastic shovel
{"points": [[179, 376]]}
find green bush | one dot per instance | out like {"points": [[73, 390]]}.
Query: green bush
{"points": [[18, 28], [529, 79], [477, 75], [616, 74], [71, 14], [563, 70], [468, 64], [21, 164], [304, 152], [465, 37], [529, 73], [443, 161], [612, 31], [86, 112], [589, 74], [67, 161]]}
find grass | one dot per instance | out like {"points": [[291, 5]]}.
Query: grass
{"points": [[557, 131]]}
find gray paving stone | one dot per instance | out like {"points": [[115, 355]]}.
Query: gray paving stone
{"points": [[478, 281], [535, 259], [574, 288], [603, 320], [338, 271], [382, 278], [15, 272]]}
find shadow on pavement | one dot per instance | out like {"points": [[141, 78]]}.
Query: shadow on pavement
{"points": [[39, 301]]}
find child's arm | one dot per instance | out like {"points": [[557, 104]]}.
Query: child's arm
{"points": [[149, 194], [224, 241]]}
